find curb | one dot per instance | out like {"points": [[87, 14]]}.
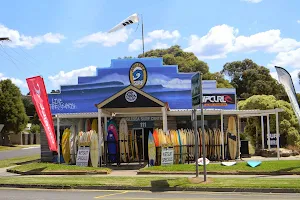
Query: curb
{"points": [[158, 189], [27, 162], [54, 173], [216, 173]]}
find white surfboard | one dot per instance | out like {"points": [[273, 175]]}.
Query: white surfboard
{"points": [[200, 161], [72, 144], [228, 163]]}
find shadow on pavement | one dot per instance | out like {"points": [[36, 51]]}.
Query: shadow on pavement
{"points": [[159, 186]]}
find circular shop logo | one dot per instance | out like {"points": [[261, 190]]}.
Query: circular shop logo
{"points": [[131, 96], [138, 75]]}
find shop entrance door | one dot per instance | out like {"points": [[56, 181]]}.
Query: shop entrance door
{"points": [[138, 137]]}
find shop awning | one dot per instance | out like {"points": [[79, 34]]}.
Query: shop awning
{"points": [[131, 100], [240, 113]]}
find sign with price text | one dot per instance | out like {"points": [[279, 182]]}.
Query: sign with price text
{"points": [[83, 156], [167, 155]]}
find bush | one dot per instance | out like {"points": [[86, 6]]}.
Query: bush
{"points": [[288, 128]]}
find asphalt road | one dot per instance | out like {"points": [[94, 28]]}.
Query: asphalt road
{"points": [[20, 152], [35, 194]]}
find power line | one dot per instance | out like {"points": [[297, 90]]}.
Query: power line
{"points": [[12, 60], [27, 54], [35, 65], [9, 57]]}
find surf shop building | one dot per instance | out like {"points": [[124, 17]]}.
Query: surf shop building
{"points": [[149, 97]]}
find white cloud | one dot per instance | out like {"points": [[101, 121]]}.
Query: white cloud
{"points": [[159, 45], [106, 39], [29, 42], [178, 83], [298, 21], [156, 35], [287, 59], [16, 81], [253, 1], [223, 39], [215, 44], [137, 44], [163, 35], [269, 41], [158, 79], [71, 77]]}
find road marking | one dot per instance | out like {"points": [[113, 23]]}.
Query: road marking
{"points": [[191, 198], [30, 148], [108, 195]]}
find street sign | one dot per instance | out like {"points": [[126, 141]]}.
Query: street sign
{"points": [[196, 86], [1, 127], [197, 99]]}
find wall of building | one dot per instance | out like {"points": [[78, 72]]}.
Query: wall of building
{"points": [[162, 82]]}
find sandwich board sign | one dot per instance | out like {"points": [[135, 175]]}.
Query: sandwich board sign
{"points": [[83, 156], [167, 156], [196, 84]]}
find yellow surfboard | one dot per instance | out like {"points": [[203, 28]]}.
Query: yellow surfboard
{"points": [[66, 145], [95, 125]]}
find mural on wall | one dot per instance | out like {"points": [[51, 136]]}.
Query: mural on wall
{"points": [[150, 75]]}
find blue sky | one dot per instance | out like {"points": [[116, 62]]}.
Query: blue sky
{"points": [[62, 39]]}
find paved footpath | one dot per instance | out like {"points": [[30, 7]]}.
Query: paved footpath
{"points": [[38, 194], [131, 173]]}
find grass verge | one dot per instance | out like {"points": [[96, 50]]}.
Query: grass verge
{"points": [[50, 167], [14, 161], [157, 182], [266, 166]]}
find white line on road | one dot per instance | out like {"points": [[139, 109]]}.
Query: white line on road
{"points": [[30, 148], [108, 195]]}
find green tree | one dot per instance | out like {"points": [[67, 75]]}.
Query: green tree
{"points": [[251, 79], [187, 62], [30, 110], [289, 127], [12, 110], [29, 106], [35, 128], [221, 81]]}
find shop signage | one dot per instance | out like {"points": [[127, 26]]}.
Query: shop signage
{"points": [[143, 124], [131, 96], [138, 75], [218, 99], [167, 156], [138, 119], [273, 139], [82, 158], [196, 86]]}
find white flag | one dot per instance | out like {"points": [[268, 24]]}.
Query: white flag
{"points": [[285, 79], [129, 20]]}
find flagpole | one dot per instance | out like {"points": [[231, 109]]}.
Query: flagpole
{"points": [[143, 36]]}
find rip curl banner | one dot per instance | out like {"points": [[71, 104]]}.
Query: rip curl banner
{"points": [[285, 79], [40, 99]]}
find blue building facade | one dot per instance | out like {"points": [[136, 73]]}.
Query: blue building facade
{"points": [[163, 82]]}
